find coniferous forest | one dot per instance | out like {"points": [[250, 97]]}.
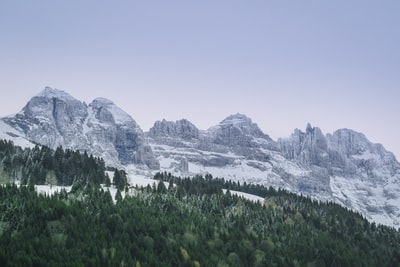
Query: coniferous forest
{"points": [[190, 222]]}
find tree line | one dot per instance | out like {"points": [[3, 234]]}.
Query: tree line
{"points": [[190, 222]]}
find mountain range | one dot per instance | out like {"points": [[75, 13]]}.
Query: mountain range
{"points": [[342, 167]]}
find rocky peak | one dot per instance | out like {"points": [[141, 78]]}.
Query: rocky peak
{"points": [[100, 102], [51, 118], [51, 93], [101, 113], [355, 147], [309, 147], [107, 110], [183, 129], [187, 129], [234, 128], [316, 138], [50, 101], [237, 120], [117, 131], [55, 118], [349, 142], [238, 134]]}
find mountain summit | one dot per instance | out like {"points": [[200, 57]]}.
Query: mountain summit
{"points": [[239, 130], [51, 93], [344, 167], [55, 118]]}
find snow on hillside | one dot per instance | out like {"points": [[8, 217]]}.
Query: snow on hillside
{"points": [[49, 190], [136, 180], [247, 196], [9, 133], [119, 115], [365, 197]]}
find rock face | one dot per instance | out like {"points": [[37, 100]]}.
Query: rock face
{"points": [[51, 118], [182, 129], [308, 148], [181, 133], [235, 138], [54, 118], [358, 174], [240, 135], [342, 167]]}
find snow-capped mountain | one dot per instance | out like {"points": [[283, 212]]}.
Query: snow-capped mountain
{"points": [[234, 142], [343, 167], [358, 174], [54, 118]]}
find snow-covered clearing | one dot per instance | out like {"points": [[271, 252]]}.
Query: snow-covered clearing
{"points": [[247, 196], [51, 189]]}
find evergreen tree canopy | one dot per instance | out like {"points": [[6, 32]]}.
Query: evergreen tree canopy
{"points": [[190, 223]]}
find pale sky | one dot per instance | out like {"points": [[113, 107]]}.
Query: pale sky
{"points": [[335, 64]]}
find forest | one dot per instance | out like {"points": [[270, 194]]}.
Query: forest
{"points": [[190, 222]]}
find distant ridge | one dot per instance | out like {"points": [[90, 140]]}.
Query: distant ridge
{"points": [[344, 167]]}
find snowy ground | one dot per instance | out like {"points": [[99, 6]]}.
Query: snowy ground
{"points": [[247, 196], [9, 133], [135, 181], [363, 196], [51, 189]]}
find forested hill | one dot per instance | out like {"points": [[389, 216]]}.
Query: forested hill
{"points": [[41, 165], [191, 222]]}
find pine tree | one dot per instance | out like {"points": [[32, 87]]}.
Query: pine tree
{"points": [[120, 179], [107, 181]]}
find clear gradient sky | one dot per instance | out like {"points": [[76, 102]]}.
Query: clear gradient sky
{"points": [[335, 64]]}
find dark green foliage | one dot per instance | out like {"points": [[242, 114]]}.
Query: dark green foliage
{"points": [[190, 222], [41, 165], [107, 181], [120, 179], [185, 226]]}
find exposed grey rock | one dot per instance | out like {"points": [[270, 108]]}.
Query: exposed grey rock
{"points": [[113, 126], [239, 131], [356, 172], [51, 118], [236, 134], [54, 118], [182, 129], [309, 148]]}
